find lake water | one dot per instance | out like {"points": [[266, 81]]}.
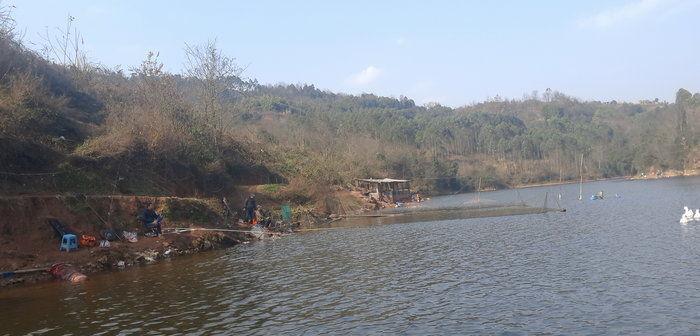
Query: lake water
{"points": [[617, 266]]}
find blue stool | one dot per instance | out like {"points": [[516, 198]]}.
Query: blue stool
{"points": [[69, 242]]}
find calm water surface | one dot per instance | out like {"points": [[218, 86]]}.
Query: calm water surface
{"points": [[618, 266]]}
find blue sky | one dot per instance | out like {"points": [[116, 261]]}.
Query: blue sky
{"points": [[452, 52]]}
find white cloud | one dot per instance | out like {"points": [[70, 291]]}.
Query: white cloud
{"points": [[366, 76], [401, 41], [630, 12]]}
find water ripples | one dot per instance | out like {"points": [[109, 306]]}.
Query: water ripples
{"points": [[608, 267]]}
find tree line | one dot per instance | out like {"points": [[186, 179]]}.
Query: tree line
{"points": [[208, 129]]}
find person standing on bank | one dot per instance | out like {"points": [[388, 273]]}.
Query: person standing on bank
{"points": [[250, 207]]}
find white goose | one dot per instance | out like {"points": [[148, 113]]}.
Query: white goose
{"points": [[687, 215], [688, 212], [697, 215]]}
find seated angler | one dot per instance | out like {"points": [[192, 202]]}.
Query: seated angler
{"points": [[151, 220]]}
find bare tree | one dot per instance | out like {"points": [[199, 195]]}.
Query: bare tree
{"points": [[66, 46], [217, 74], [7, 23]]}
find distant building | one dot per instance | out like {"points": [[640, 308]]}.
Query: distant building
{"points": [[387, 190]]}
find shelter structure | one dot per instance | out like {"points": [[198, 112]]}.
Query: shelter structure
{"points": [[386, 189]]}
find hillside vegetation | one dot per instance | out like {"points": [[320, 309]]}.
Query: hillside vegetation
{"points": [[67, 125]]}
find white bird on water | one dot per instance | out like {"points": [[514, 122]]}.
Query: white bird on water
{"points": [[688, 212], [697, 215], [688, 215]]}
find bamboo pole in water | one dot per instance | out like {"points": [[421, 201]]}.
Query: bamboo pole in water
{"points": [[478, 194], [24, 271], [580, 185]]}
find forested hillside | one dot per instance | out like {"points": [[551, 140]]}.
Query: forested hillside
{"points": [[505, 142], [68, 124]]}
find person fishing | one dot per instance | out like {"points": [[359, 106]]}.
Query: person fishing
{"points": [[151, 219], [250, 207]]}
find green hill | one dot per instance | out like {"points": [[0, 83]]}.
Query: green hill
{"points": [[69, 126]]}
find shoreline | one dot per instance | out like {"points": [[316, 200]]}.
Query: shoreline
{"points": [[689, 173], [122, 255], [566, 182], [191, 226]]}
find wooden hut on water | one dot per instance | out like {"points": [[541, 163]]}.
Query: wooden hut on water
{"points": [[386, 189]]}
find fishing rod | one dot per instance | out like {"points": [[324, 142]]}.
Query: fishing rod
{"points": [[181, 230]]}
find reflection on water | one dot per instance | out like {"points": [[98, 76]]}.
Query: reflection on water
{"points": [[620, 265], [428, 213]]}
